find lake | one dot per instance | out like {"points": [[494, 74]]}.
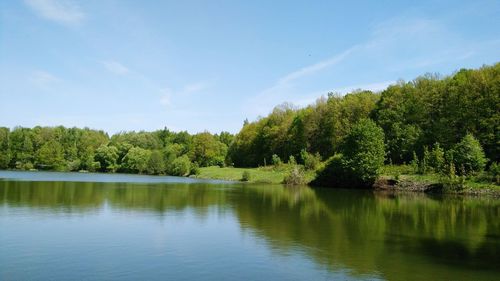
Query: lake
{"points": [[74, 226]]}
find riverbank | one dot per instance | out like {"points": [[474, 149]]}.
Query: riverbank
{"points": [[269, 174], [402, 178], [414, 184], [393, 178]]}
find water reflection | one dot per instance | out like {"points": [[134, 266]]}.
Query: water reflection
{"points": [[403, 237], [372, 232]]}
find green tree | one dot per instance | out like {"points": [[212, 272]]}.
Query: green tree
{"points": [[436, 158], [363, 155], [226, 138], [50, 156], [364, 150], [241, 153], [468, 156], [181, 166], [155, 164], [208, 150], [22, 149], [136, 160], [107, 157], [88, 162], [5, 155]]}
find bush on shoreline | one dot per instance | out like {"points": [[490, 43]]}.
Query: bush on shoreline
{"points": [[295, 176], [362, 158]]}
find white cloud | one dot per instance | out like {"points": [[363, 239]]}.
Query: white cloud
{"points": [[311, 69], [395, 45], [115, 67], [61, 11]]}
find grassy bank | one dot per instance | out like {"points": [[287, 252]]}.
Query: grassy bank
{"points": [[269, 174], [403, 174]]}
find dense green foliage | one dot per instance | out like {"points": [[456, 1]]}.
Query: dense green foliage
{"points": [[428, 112], [420, 120], [73, 149], [468, 156], [413, 115], [362, 158]]}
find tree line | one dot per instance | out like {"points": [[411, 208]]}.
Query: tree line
{"points": [[458, 115], [75, 149], [413, 115], [402, 124]]}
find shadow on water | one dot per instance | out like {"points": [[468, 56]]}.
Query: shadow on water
{"points": [[398, 237]]}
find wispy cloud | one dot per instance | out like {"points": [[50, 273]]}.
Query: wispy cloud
{"points": [[311, 69], [115, 67], [60, 11], [396, 44]]}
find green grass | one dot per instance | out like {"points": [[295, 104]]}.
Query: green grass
{"points": [[275, 175], [269, 174]]}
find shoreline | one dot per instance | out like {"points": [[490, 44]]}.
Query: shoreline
{"points": [[268, 176], [435, 188]]}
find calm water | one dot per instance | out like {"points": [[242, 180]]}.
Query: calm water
{"points": [[57, 226]]}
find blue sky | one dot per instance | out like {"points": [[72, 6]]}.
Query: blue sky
{"points": [[208, 65]]}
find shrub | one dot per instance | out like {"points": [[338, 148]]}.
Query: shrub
{"points": [[415, 163], [291, 160], [333, 173], [436, 158], [24, 165], [295, 176], [276, 160], [424, 164], [363, 156], [468, 156], [73, 165], [218, 161], [195, 169], [494, 172], [452, 182], [245, 176], [311, 162]]}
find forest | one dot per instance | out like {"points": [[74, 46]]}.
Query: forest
{"points": [[434, 122], [74, 149]]}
